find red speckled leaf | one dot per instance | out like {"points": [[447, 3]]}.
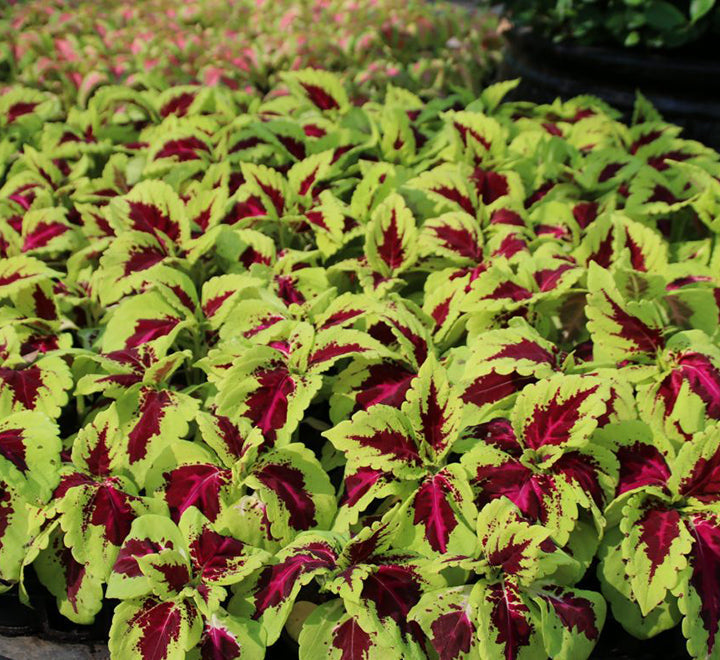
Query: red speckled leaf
{"points": [[507, 628]]}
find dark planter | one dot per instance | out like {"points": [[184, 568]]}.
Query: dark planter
{"points": [[682, 85]]}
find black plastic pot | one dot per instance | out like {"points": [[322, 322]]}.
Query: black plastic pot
{"points": [[682, 86]]}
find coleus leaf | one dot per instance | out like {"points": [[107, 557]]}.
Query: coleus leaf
{"points": [[30, 451], [333, 344], [17, 525], [403, 440], [152, 629], [296, 490], [510, 544], [699, 601], [217, 559], [545, 497], [381, 438], [563, 410], [454, 236], [507, 629], [617, 590], [97, 504], [330, 632], [503, 362], [390, 240], [131, 260], [18, 271], [225, 637], [144, 318], [47, 230], [570, 620], [434, 410], [656, 548], [152, 420], [543, 461], [270, 597], [150, 536], [439, 517], [125, 369], [261, 388], [697, 467], [322, 89], [692, 372], [77, 590], [448, 618], [40, 386], [644, 460], [623, 330]]}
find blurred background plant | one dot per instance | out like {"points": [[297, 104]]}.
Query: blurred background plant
{"points": [[71, 47], [653, 24]]}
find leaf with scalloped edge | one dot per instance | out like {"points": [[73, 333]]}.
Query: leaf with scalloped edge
{"points": [[503, 362], [269, 598], [698, 600], [261, 388], [296, 490], [507, 627], [570, 621], [78, 591], [153, 536], [510, 543], [16, 272], [152, 629], [390, 239], [561, 411], [217, 559], [229, 638], [322, 89], [381, 438], [40, 386], [696, 470], [330, 632], [132, 260], [434, 410], [335, 343], [656, 548], [30, 451], [448, 618], [618, 592], [455, 237], [17, 525], [152, 419], [620, 329], [142, 318], [439, 517]]}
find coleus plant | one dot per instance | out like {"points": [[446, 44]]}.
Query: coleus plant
{"points": [[384, 378]]}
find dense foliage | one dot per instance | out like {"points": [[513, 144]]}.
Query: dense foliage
{"points": [[72, 47], [649, 23], [403, 369]]}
